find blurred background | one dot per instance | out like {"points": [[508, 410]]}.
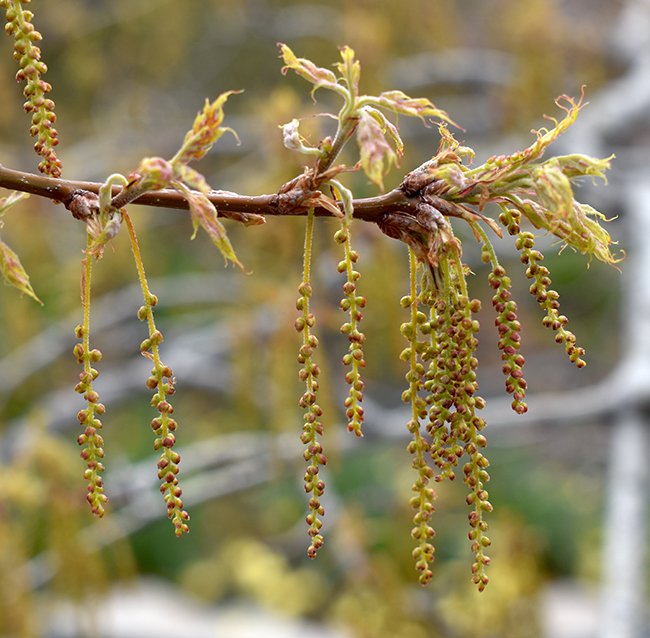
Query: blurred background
{"points": [[569, 528]]}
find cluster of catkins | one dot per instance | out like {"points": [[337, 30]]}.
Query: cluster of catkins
{"points": [[441, 329]]}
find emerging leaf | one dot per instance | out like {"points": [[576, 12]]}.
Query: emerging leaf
{"points": [[205, 131], [7, 202], [192, 178], [320, 199], [449, 143], [204, 214], [152, 174], [399, 102], [350, 70], [347, 199], [14, 273], [102, 232], [581, 230], [376, 154], [506, 163], [577, 165], [292, 139], [542, 191], [318, 76], [554, 189]]}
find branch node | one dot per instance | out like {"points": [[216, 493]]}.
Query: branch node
{"points": [[82, 204]]}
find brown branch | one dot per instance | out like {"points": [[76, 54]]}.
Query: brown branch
{"points": [[230, 205]]}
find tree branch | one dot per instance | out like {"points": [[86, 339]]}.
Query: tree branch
{"points": [[230, 205]]}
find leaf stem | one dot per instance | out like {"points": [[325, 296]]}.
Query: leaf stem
{"points": [[344, 132]]}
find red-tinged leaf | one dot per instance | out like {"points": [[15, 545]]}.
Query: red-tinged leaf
{"points": [[318, 76], [14, 273], [387, 127], [320, 199], [205, 131], [204, 215], [350, 69], [376, 154], [399, 102], [192, 178], [152, 174]]}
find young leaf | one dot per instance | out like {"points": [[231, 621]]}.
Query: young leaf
{"points": [[501, 164], [554, 190], [14, 273], [152, 173], [318, 76], [204, 214], [350, 70], [399, 102], [205, 131], [192, 178], [7, 202], [376, 155], [292, 139]]}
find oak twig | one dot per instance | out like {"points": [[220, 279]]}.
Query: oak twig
{"points": [[241, 208]]}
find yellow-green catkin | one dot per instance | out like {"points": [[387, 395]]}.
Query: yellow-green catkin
{"points": [[352, 303], [547, 298], [312, 430], [32, 68], [91, 440], [419, 447], [162, 381], [454, 422], [508, 326]]}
